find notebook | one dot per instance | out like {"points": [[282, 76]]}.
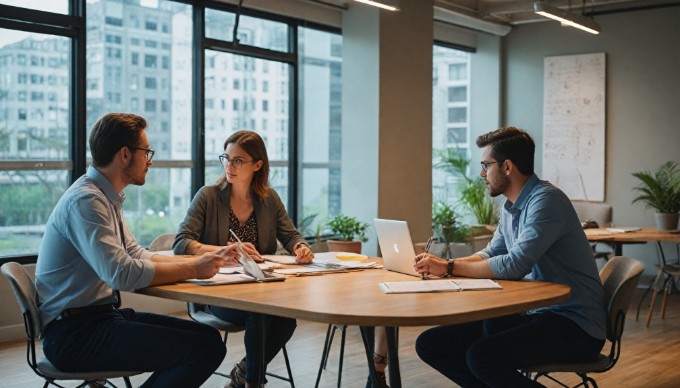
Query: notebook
{"points": [[438, 286], [396, 245]]}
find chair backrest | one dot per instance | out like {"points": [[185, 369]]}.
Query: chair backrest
{"points": [[619, 276], [163, 242], [594, 211], [24, 290], [601, 213]]}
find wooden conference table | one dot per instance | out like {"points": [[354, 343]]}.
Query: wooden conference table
{"points": [[354, 299], [644, 235], [617, 240]]}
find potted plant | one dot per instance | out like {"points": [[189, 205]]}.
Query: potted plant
{"points": [[348, 234], [661, 191], [447, 228], [473, 193]]}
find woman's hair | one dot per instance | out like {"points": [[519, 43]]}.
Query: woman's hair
{"points": [[111, 133], [254, 146]]}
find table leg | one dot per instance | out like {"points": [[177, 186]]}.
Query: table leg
{"points": [[258, 320], [618, 249], [392, 334]]}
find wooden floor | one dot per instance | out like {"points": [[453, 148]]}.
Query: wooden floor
{"points": [[650, 357]]}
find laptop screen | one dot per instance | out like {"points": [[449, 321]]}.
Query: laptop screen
{"points": [[396, 246]]}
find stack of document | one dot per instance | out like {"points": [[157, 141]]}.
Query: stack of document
{"points": [[438, 285], [324, 260]]}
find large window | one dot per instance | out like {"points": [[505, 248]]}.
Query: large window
{"points": [[159, 93], [228, 109], [320, 126], [139, 57], [35, 159], [450, 114]]}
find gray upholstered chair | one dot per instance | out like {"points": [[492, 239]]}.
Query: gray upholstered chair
{"points": [[602, 214], [620, 276], [25, 292], [163, 242]]}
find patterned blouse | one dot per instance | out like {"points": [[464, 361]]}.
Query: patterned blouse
{"points": [[246, 232]]}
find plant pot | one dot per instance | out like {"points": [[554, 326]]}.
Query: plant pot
{"points": [[666, 221], [344, 246]]}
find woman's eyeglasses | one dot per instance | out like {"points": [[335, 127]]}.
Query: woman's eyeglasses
{"points": [[236, 163]]}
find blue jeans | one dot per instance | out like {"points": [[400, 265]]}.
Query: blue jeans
{"points": [[490, 352], [180, 352], [279, 330]]}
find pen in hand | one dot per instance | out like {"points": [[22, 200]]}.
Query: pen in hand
{"points": [[427, 250]]}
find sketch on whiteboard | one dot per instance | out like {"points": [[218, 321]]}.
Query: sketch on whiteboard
{"points": [[574, 124]]}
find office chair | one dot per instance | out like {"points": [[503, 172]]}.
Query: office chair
{"points": [[327, 348], [163, 242], [671, 272], [601, 214], [25, 292], [200, 313], [620, 276]]}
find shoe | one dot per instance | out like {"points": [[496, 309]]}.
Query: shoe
{"points": [[382, 381], [237, 376]]}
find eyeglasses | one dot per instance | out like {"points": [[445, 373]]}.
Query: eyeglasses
{"points": [[485, 165], [237, 163], [149, 152]]}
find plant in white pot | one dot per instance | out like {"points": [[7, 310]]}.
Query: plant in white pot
{"points": [[661, 191], [348, 234]]}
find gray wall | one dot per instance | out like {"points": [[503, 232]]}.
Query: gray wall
{"points": [[643, 94]]}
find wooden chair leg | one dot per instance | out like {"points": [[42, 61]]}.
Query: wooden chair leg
{"points": [[667, 290], [655, 291], [651, 306]]}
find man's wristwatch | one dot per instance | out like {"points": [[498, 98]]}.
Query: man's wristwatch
{"points": [[449, 268]]}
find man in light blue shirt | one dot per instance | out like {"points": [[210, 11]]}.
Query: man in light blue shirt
{"points": [[539, 237], [87, 254]]}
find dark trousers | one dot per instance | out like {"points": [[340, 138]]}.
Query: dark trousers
{"points": [[490, 352], [179, 352], [279, 330]]}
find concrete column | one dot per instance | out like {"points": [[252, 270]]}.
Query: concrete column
{"points": [[387, 116]]}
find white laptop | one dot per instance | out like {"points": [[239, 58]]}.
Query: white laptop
{"points": [[396, 245]]}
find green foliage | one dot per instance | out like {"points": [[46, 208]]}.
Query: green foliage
{"points": [[305, 225], [348, 228], [446, 226], [27, 197], [473, 193], [661, 190]]}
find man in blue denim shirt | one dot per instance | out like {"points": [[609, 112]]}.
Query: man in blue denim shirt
{"points": [[539, 237], [88, 253]]}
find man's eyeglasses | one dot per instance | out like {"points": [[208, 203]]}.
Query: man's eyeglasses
{"points": [[485, 165], [149, 152], [237, 163]]}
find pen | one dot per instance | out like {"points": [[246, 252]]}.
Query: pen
{"points": [[427, 250]]}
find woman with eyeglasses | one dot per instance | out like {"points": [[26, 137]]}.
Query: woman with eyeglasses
{"points": [[242, 200]]}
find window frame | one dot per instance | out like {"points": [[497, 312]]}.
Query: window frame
{"points": [[73, 26]]}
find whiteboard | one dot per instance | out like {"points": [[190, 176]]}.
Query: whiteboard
{"points": [[574, 124]]}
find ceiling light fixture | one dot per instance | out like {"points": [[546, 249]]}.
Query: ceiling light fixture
{"points": [[567, 18], [390, 5]]}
